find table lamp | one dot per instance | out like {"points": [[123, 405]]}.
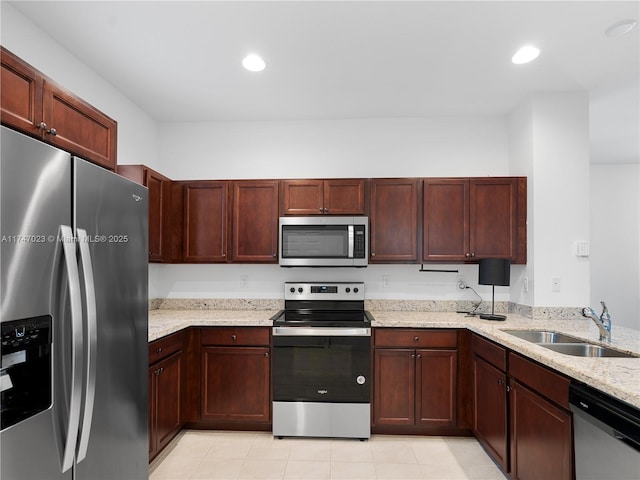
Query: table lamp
{"points": [[494, 271]]}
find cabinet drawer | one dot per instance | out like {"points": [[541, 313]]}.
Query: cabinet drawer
{"points": [[235, 336], [546, 382], [163, 347], [404, 337], [491, 352]]}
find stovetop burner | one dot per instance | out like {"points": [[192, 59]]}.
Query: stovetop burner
{"points": [[337, 304]]}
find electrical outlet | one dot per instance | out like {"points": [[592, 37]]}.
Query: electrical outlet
{"points": [[386, 281], [244, 281], [460, 283], [555, 284]]}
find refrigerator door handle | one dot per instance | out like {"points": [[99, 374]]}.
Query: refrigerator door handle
{"points": [[75, 301], [91, 326]]}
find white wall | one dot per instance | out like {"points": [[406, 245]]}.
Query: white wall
{"points": [[561, 197], [615, 241], [137, 131], [442, 146]]}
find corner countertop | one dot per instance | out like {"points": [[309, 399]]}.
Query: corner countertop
{"points": [[619, 377]]}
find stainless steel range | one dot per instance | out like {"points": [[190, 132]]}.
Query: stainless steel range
{"points": [[322, 362]]}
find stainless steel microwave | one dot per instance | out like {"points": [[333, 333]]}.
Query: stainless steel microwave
{"points": [[324, 241]]}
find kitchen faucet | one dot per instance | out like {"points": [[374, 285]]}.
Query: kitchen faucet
{"points": [[603, 322]]}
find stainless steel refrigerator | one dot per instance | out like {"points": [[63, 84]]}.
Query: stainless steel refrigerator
{"points": [[73, 377]]}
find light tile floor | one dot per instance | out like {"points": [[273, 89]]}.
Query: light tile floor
{"points": [[197, 454]]}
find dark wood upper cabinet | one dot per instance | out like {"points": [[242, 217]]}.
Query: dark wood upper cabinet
{"points": [[21, 94], [205, 221], [469, 219], [323, 197], [394, 220], [159, 197], [254, 221], [37, 106]]}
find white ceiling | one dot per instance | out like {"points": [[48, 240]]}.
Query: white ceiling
{"points": [[181, 61]]}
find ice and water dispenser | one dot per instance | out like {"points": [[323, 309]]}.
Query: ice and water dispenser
{"points": [[25, 370]]}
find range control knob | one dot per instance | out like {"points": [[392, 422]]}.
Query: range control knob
{"points": [[347, 290], [292, 289], [355, 290], [300, 290]]}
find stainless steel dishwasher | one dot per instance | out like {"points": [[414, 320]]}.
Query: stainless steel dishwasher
{"points": [[606, 435]]}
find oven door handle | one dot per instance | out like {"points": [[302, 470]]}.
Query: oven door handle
{"points": [[321, 331]]}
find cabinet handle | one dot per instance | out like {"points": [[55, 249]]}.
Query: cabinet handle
{"points": [[43, 126], [413, 355], [467, 255], [234, 337], [473, 255], [500, 382], [416, 339], [266, 354], [320, 209], [159, 350], [419, 356], [161, 369], [373, 254], [273, 255], [326, 210]]}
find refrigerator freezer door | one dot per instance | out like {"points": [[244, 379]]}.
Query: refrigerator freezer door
{"points": [[113, 212], [35, 200]]}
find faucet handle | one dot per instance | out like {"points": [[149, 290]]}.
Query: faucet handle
{"points": [[605, 316]]}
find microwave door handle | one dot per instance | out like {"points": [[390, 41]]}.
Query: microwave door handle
{"points": [[351, 240]]}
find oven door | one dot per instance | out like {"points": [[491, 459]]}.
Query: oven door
{"points": [[322, 364]]}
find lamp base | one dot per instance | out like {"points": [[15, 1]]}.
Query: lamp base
{"points": [[494, 317]]}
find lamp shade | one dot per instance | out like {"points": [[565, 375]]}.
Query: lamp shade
{"points": [[494, 271]]}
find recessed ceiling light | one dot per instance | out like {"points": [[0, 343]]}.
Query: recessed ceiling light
{"points": [[253, 63], [525, 54], [620, 28]]}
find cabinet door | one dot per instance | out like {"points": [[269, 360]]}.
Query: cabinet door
{"points": [[158, 197], [436, 392], [394, 387], [153, 404], [394, 220], [205, 222], [344, 196], [255, 221], [445, 219], [77, 127], [168, 421], [21, 94], [302, 197], [235, 384], [490, 410], [540, 437], [493, 213]]}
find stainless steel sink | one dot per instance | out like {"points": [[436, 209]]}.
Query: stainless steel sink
{"points": [[567, 344], [587, 350], [543, 336]]}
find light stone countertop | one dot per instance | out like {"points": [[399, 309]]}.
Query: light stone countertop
{"points": [[619, 377]]}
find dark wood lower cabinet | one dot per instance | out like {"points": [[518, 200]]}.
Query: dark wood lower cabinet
{"points": [[490, 410], [521, 413], [235, 378], [235, 384], [165, 391], [541, 436], [415, 389]]}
